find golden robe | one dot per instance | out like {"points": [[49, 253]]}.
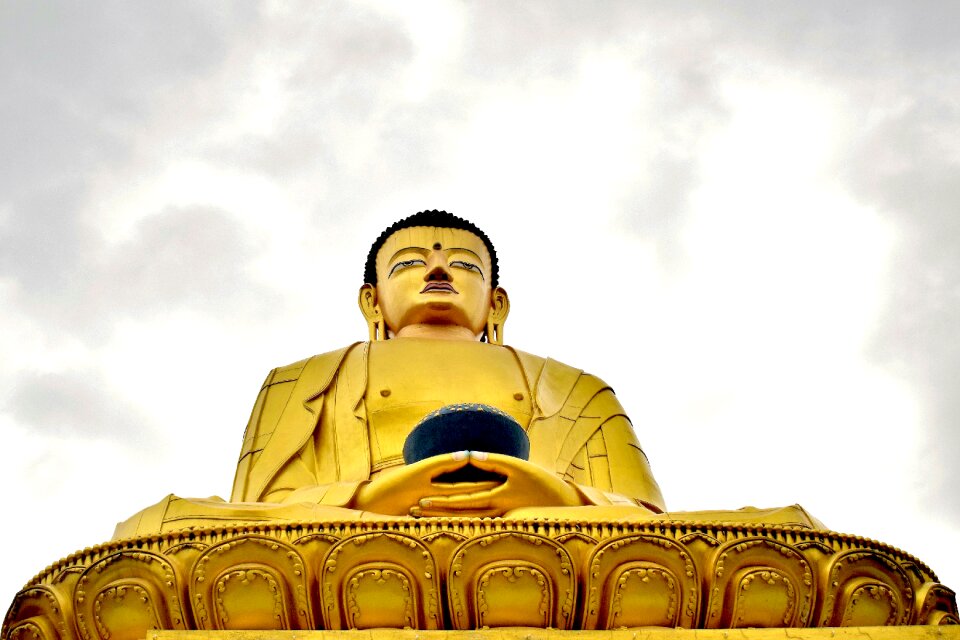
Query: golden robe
{"points": [[308, 437]]}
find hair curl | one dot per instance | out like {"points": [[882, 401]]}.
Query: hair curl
{"points": [[431, 218]]}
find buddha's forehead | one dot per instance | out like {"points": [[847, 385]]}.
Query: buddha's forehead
{"points": [[430, 237]]}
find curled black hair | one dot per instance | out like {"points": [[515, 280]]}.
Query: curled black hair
{"points": [[431, 218]]}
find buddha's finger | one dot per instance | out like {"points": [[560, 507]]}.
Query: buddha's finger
{"points": [[502, 464], [440, 464], [419, 512], [478, 500], [454, 488]]}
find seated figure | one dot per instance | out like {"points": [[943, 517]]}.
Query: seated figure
{"points": [[330, 429], [326, 436]]}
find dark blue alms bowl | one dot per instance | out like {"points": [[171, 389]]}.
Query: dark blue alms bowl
{"points": [[466, 427]]}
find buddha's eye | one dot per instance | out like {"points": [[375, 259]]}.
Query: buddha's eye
{"points": [[463, 264], [403, 264]]}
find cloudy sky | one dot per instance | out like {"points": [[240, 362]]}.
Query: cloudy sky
{"points": [[744, 216]]}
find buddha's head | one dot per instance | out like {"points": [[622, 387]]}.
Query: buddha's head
{"points": [[433, 275]]}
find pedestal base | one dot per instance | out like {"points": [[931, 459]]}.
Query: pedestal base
{"points": [[446, 577], [523, 633]]}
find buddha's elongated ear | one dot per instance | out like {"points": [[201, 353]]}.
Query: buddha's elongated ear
{"points": [[499, 310], [370, 309]]}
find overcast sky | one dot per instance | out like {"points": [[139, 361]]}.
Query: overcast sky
{"points": [[744, 216]]}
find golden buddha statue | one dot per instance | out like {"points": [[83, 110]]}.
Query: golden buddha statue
{"points": [[327, 433], [334, 524], [330, 429]]}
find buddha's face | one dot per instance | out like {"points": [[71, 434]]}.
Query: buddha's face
{"points": [[434, 276]]}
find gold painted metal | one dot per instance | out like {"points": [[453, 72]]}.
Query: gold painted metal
{"points": [[330, 430], [472, 573], [327, 528], [847, 633]]}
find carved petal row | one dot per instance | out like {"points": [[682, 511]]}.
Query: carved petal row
{"points": [[477, 574]]}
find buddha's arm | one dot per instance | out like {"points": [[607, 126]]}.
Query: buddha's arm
{"points": [[612, 476], [590, 442], [612, 468], [299, 478], [297, 481], [273, 397]]}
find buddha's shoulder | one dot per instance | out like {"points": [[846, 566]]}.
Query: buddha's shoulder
{"points": [[321, 364], [561, 387], [531, 363], [553, 373], [540, 365]]}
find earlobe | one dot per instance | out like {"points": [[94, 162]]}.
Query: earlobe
{"points": [[370, 309], [499, 309]]}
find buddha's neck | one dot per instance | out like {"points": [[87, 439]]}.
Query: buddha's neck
{"points": [[437, 332]]}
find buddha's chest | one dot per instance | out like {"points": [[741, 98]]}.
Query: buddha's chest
{"points": [[409, 378]]}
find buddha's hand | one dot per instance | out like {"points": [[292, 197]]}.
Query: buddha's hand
{"points": [[526, 485], [400, 492]]}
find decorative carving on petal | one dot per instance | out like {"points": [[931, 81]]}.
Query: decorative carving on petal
{"points": [[935, 604], [324, 539], [439, 535], [250, 597], [868, 601], [491, 567], [765, 598], [32, 629], [186, 546], [381, 596], [758, 582], [41, 613], [865, 588], [579, 545], [513, 595], [815, 545], [253, 582], [641, 580], [126, 594], [125, 607], [68, 575], [391, 572], [701, 536], [442, 544]]}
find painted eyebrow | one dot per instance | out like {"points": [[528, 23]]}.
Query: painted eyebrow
{"points": [[419, 250], [424, 251], [465, 250]]}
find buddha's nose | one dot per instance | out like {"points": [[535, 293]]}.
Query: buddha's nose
{"points": [[437, 269]]}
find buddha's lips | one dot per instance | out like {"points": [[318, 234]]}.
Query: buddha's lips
{"points": [[445, 287]]}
